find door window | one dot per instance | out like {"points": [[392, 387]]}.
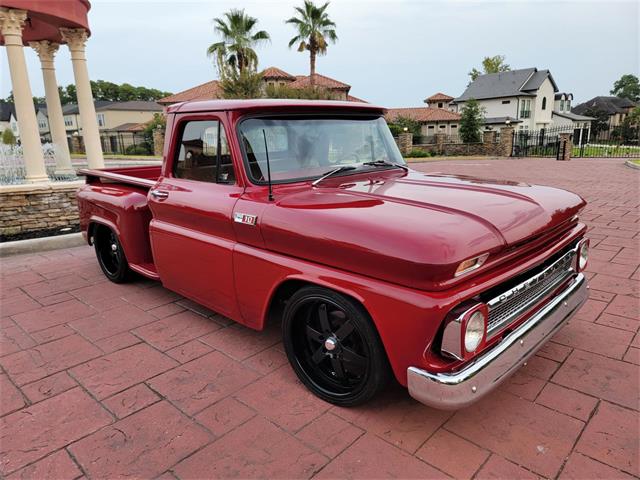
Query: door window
{"points": [[204, 153]]}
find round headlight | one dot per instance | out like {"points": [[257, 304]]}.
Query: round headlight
{"points": [[583, 255], [474, 332]]}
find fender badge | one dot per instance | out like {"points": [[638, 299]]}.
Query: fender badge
{"points": [[244, 218]]}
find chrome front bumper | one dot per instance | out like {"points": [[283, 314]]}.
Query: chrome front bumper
{"points": [[451, 391]]}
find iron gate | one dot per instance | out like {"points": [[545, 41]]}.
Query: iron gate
{"points": [[536, 143]]}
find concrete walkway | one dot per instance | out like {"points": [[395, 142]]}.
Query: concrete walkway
{"points": [[101, 380]]}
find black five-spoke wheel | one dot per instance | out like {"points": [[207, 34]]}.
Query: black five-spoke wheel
{"points": [[111, 257], [333, 346]]}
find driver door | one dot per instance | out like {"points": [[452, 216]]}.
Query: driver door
{"points": [[192, 234]]}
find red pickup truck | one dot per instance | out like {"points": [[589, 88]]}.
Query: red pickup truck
{"points": [[305, 213]]}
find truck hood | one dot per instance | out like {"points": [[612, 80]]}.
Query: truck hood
{"points": [[411, 229]]}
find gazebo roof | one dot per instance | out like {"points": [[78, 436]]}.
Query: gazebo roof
{"points": [[45, 18]]}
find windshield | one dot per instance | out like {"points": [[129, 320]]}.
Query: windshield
{"points": [[306, 148]]}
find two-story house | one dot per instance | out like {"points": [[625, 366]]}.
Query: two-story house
{"points": [[615, 107], [563, 116], [524, 97]]}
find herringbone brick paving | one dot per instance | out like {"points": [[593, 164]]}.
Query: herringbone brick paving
{"points": [[102, 381]]}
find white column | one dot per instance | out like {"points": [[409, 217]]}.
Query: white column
{"points": [[11, 23], [46, 51], [76, 39]]}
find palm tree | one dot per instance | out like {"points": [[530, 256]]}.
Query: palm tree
{"points": [[314, 30], [238, 39]]}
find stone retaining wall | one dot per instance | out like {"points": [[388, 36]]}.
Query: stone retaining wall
{"points": [[30, 208]]}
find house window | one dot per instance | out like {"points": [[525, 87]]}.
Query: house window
{"points": [[68, 121], [443, 126], [525, 108], [454, 126], [101, 119], [568, 106], [431, 127], [562, 105], [544, 103], [440, 105], [506, 102]]}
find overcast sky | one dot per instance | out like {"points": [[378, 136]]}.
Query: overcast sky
{"points": [[392, 52]]}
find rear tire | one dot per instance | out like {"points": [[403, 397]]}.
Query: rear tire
{"points": [[334, 347], [110, 254]]}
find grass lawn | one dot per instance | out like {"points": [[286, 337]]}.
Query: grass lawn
{"points": [[635, 161]]}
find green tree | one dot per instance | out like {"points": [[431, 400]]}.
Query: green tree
{"points": [[398, 125], [8, 138], [314, 30], [71, 93], [627, 86], [600, 121], [244, 84], [236, 50], [471, 121], [495, 64]]}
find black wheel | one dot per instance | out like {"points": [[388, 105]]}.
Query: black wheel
{"points": [[111, 257], [333, 347]]}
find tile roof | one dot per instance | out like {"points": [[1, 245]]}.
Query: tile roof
{"points": [[506, 84], [129, 127], [439, 97], [610, 105], [422, 114], [276, 73], [302, 81], [206, 91]]}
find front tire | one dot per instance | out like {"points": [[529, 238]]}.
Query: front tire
{"points": [[110, 254], [334, 347]]}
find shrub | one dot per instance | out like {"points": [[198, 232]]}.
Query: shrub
{"points": [[139, 149], [304, 93], [418, 153], [8, 138]]}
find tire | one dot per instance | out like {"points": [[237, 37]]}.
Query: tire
{"points": [[333, 347], [110, 254]]}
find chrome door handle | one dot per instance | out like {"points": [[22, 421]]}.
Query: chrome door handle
{"points": [[159, 194]]}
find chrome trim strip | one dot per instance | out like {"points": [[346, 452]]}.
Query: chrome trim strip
{"points": [[527, 285], [459, 389]]}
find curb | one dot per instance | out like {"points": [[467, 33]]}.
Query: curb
{"points": [[36, 245], [630, 164]]}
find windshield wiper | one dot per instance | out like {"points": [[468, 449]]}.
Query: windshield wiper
{"points": [[384, 163], [342, 168]]}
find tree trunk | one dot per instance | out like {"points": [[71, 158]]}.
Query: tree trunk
{"points": [[312, 67]]}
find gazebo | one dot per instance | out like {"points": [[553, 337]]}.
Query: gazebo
{"points": [[44, 26]]}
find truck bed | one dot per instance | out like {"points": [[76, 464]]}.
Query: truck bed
{"points": [[145, 176]]}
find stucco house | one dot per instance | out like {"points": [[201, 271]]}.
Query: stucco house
{"points": [[617, 108], [563, 116], [524, 97], [440, 100], [117, 121], [270, 76], [8, 118], [432, 120]]}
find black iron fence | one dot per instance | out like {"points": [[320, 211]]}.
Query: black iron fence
{"points": [[126, 143], [615, 141], [612, 141], [537, 143]]}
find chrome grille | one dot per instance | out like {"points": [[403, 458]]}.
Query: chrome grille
{"points": [[506, 307]]}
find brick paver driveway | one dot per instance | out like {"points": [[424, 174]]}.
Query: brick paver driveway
{"points": [[104, 380]]}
